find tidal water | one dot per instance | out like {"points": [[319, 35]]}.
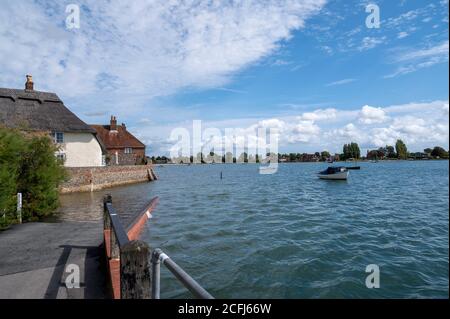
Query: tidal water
{"points": [[291, 235]]}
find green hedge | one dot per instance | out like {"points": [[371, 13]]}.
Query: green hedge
{"points": [[28, 165]]}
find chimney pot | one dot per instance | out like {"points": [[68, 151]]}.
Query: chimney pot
{"points": [[113, 124], [29, 85]]}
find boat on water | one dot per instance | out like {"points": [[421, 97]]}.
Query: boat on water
{"points": [[334, 173], [353, 167]]}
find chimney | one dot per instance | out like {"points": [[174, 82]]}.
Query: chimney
{"points": [[113, 123], [29, 83], [123, 126]]}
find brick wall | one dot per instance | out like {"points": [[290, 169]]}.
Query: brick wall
{"points": [[125, 159], [88, 179]]}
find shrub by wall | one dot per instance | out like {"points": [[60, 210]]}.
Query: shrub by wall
{"points": [[28, 165]]}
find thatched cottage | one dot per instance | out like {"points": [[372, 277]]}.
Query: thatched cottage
{"points": [[44, 112]]}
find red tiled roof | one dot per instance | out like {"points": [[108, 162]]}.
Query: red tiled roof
{"points": [[120, 139]]}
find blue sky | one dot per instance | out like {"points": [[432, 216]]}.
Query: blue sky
{"points": [[310, 68]]}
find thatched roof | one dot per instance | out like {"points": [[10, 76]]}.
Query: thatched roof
{"points": [[38, 111]]}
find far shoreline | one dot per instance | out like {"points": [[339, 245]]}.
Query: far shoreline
{"points": [[320, 162]]}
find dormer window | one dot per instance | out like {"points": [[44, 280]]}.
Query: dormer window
{"points": [[58, 137]]}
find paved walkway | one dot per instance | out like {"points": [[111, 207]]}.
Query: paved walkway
{"points": [[34, 257]]}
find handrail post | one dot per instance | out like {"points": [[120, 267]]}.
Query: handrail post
{"points": [[135, 277], [156, 273], [187, 281]]}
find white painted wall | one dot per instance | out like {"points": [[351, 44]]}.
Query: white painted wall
{"points": [[81, 149]]}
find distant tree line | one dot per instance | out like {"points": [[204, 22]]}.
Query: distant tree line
{"points": [[401, 152], [437, 152], [350, 151]]}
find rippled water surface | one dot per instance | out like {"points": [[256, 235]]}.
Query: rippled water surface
{"points": [[291, 235]]}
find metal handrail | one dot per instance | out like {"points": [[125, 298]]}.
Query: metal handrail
{"points": [[120, 247], [145, 211], [116, 225], [158, 257]]}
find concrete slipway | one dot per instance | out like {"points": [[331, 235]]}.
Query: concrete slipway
{"points": [[34, 259]]}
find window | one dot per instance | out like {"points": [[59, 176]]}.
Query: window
{"points": [[128, 150], [58, 137], [61, 157]]}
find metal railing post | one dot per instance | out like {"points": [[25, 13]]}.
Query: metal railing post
{"points": [[187, 281], [130, 272], [156, 278]]}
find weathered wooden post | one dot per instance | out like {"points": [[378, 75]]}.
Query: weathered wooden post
{"points": [[129, 264], [135, 277]]}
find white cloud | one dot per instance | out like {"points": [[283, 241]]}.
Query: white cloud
{"points": [[303, 132], [371, 115], [416, 59], [341, 82], [404, 18], [437, 50], [420, 125], [141, 48], [414, 130], [445, 109], [272, 123], [349, 132], [319, 115], [382, 136], [402, 35], [370, 43], [281, 62], [329, 50]]}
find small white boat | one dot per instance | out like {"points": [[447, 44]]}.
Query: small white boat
{"points": [[334, 173]]}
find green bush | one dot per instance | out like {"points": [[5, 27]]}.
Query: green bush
{"points": [[28, 165], [439, 152]]}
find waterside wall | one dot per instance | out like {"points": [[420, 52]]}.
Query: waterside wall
{"points": [[89, 179]]}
